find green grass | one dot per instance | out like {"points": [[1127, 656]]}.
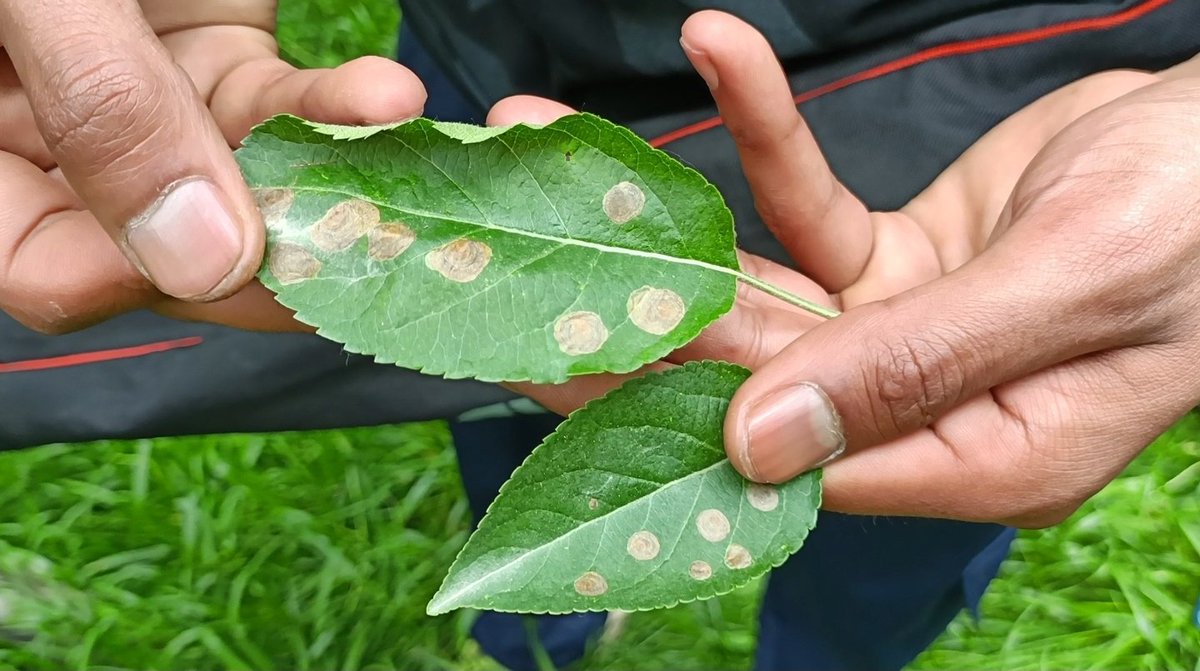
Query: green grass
{"points": [[319, 550]]}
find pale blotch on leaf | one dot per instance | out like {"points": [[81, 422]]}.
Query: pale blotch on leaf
{"points": [[580, 333], [593, 504], [643, 546], [591, 584], [274, 205], [737, 557], [387, 241], [343, 224], [624, 202], [713, 525], [655, 311], [700, 570], [461, 261], [762, 497], [291, 263]]}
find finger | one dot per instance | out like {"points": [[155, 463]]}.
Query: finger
{"points": [[565, 398], [883, 370], [1030, 452], [61, 272], [136, 143], [366, 91], [822, 225], [526, 109], [18, 130], [254, 308]]}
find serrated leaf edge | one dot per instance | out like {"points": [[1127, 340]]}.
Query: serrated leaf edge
{"points": [[434, 608]]}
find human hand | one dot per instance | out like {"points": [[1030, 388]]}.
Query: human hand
{"points": [[116, 122], [979, 317]]}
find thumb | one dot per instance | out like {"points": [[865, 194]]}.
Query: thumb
{"points": [[882, 370], [136, 142]]}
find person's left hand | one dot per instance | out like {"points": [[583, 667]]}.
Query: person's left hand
{"points": [[994, 326]]}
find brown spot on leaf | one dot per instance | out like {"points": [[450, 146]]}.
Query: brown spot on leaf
{"points": [[461, 261], [580, 333], [655, 311], [762, 497], [291, 263], [274, 205], [387, 241], [713, 525], [343, 224], [643, 546], [700, 570], [591, 584], [624, 202], [738, 557], [593, 504]]}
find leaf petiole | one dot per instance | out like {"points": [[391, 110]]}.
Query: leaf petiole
{"points": [[787, 296]]}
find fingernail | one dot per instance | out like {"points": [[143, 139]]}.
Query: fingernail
{"points": [[790, 431], [187, 241], [701, 62]]}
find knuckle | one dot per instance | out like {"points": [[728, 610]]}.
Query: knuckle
{"points": [[913, 378], [99, 109]]}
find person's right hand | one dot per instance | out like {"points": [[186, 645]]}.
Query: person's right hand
{"points": [[116, 122]]}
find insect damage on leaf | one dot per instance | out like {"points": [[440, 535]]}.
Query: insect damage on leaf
{"points": [[652, 451], [479, 252]]}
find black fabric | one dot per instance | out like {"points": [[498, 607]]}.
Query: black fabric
{"points": [[886, 138]]}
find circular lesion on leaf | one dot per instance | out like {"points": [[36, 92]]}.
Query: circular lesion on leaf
{"points": [[655, 311], [461, 260], [713, 525], [387, 241], [623, 202], [643, 545], [700, 570], [290, 263], [343, 224], [579, 333], [762, 497], [738, 557], [591, 584], [274, 204]]}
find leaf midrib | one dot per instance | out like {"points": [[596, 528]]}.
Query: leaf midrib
{"points": [[434, 605], [609, 249]]}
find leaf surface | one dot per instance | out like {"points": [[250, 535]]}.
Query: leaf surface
{"points": [[520, 253], [631, 504]]}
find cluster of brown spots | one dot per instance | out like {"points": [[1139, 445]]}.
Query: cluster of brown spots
{"points": [[591, 584], [624, 202], [643, 546], [655, 311], [343, 224], [387, 241], [291, 263], [700, 570], [580, 333], [460, 261], [762, 497], [274, 205], [713, 525], [737, 557]]}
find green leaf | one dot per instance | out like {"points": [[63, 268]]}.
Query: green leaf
{"points": [[515, 253], [631, 504]]}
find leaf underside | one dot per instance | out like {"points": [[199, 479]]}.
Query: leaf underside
{"points": [[522, 253], [631, 504]]}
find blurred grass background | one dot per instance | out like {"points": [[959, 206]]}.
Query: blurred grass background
{"points": [[318, 551]]}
